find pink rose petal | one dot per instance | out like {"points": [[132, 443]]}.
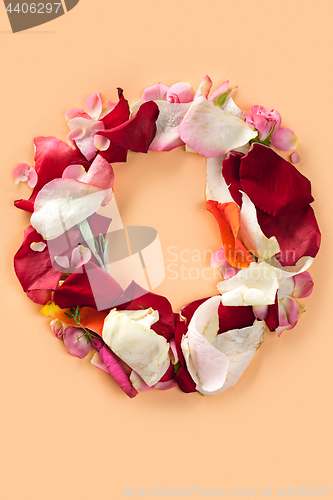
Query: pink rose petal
{"points": [[284, 139], [58, 328], [38, 246], [303, 285], [155, 92], [93, 105], [24, 173], [222, 89], [76, 342], [101, 143], [80, 256], [77, 172], [97, 361], [180, 92], [76, 113], [295, 158], [62, 261]]}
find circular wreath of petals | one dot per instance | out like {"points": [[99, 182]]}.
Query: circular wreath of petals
{"points": [[262, 205]]}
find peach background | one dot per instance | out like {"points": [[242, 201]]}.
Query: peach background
{"points": [[67, 431]]}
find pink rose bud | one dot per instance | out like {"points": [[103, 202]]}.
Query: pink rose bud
{"points": [[263, 120]]}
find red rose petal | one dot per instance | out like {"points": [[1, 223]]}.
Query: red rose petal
{"points": [[52, 157], [137, 133], [185, 381], [234, 317], [272, 320], [34, 269], [297, 233], [273, 184], [93, 287], [230, 171]]}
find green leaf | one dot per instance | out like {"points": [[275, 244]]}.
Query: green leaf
{"points": [[101, 243], [222, 99], [68, 316]]}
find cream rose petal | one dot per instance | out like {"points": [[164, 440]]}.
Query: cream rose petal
{"points": [[129, 336], [63, 203], [216, 187], [211, 131], [207, 365], [253, 286], [251, 234], [239, 346]]}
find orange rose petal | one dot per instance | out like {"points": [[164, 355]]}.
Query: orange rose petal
{"points": [[90, 318], [227, 216]]}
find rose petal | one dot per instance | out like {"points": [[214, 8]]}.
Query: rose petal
{"points": [[239, 346], [303, 285], [251, 234], [80, 256], [51, 158], [137, 344], [33, 269], [211, 131], [137, 133], [62, 204], [94, 287], [295, 158], [76, 113], [101, 143], [155, 92], [77, 172], [180, 92], [216, 187], [85, 142], [227, 216], [62, 261], [115, 368], [219, 260], [253, 286], [38, 246], [93, 105], [97, 361], [58, 328], [231, 318], [284, 139], [169, 118], [76, 342], [272, 183], [222, 89], [297, 233], [207, 365], [100, 174]]}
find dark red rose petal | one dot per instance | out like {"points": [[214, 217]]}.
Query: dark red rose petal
{"points": [[298, 234], [185, 381], [188, 310], [88, 286], [137, 133], [234, 317], [34, 269], [166, 324], [272, 320], [273, 184], [119, 114], [230, 171]]}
